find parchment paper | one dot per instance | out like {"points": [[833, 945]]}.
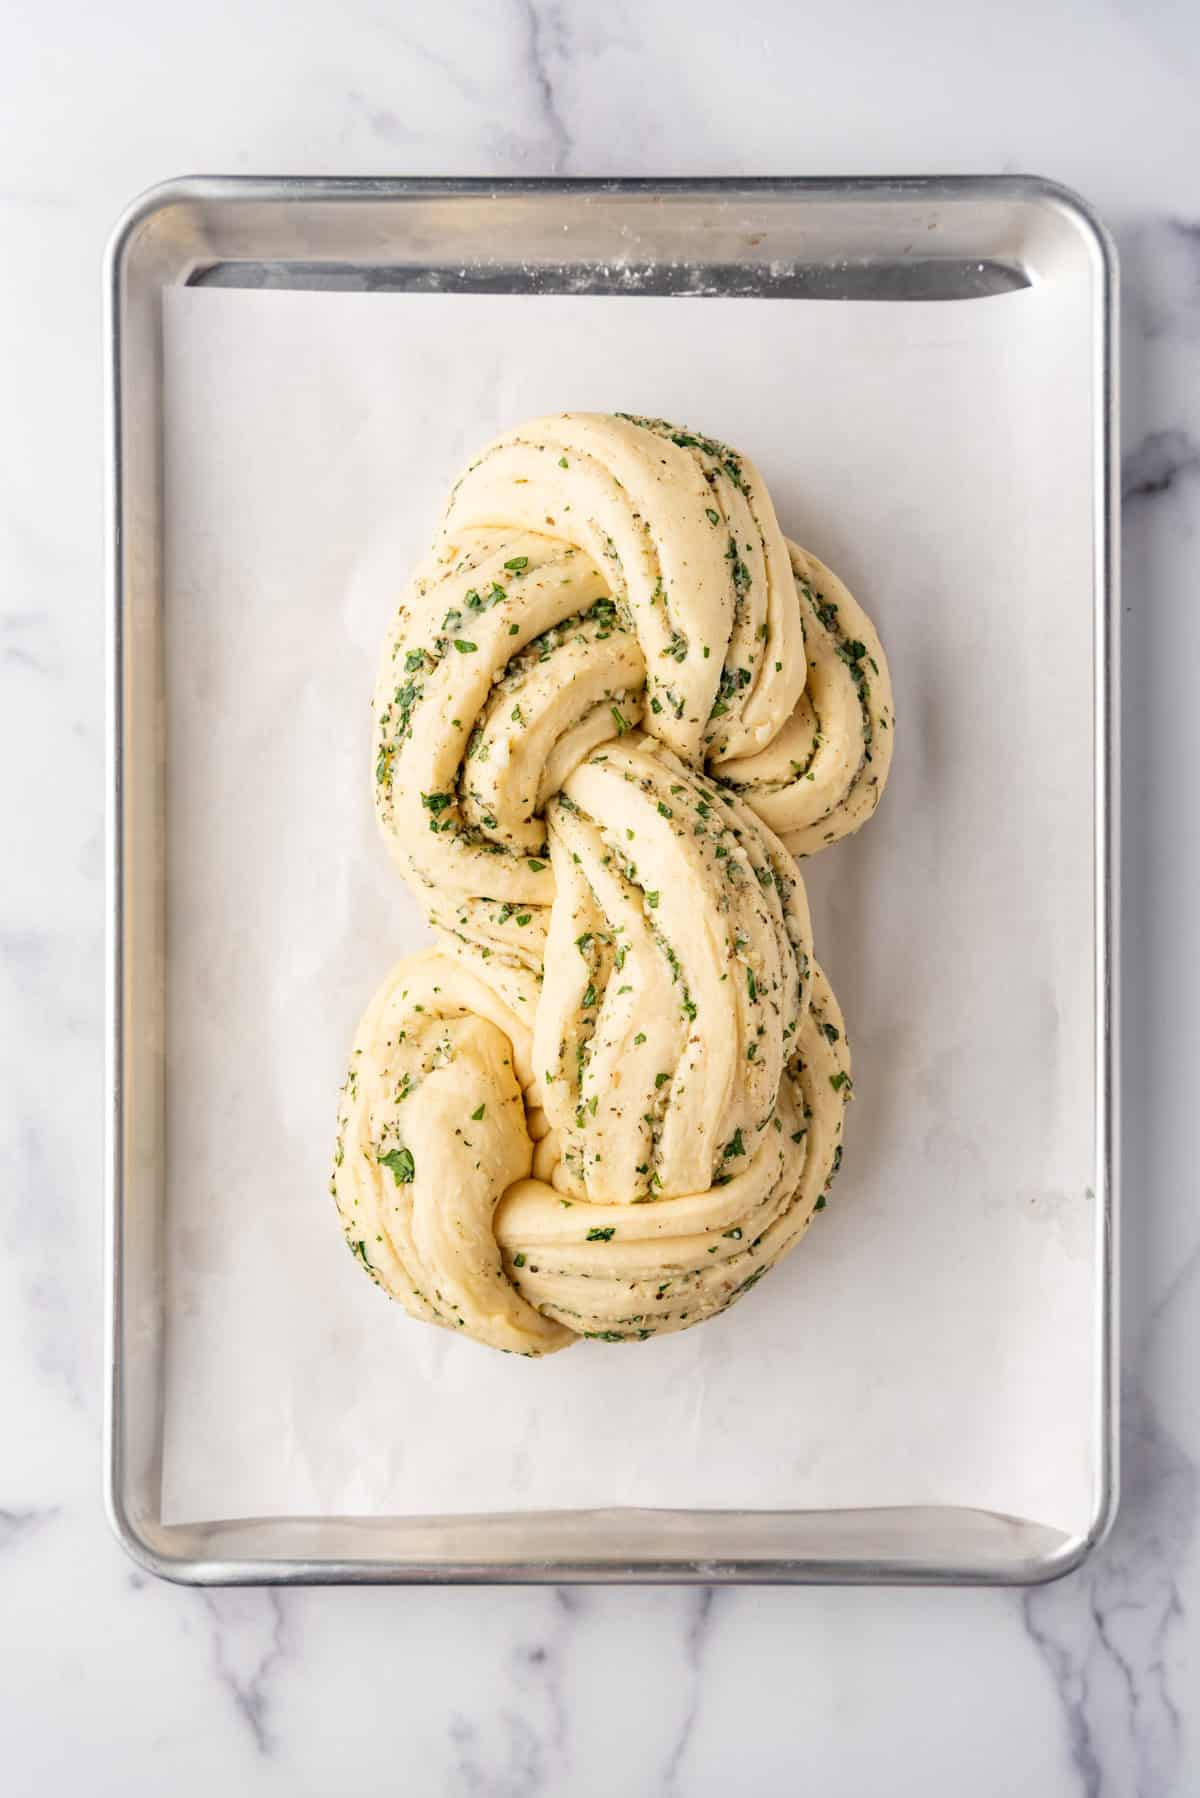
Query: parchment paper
{"points": [[930, 1341]]}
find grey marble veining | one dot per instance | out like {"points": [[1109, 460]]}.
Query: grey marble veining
{"points": [[1157, 463], [1107, 1635], [111, 1683], [250, 1647]]}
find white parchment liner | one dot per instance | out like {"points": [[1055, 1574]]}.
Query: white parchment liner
{"points": [[930, 1341]]}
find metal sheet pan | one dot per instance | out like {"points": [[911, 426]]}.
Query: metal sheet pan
{"points": [[933, 240]]}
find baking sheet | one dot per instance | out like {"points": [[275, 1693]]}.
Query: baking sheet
{"points": [[931, 1341]]}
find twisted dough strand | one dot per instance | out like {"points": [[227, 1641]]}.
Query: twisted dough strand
{"points": [[611, 702]]}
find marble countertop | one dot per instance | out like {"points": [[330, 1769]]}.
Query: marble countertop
{"points": [[111, 1683]]}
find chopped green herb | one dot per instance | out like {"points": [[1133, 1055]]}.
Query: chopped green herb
{"points": [[402, 1165]]}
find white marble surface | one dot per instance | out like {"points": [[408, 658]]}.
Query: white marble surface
{"points": [[113, 1684]]}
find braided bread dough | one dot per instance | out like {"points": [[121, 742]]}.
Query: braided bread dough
{"points": [[612, 702]]}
